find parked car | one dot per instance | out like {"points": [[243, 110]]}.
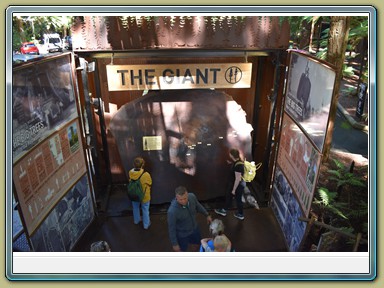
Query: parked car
{"points": [[29, 48], [22, 58], [67, 42]]}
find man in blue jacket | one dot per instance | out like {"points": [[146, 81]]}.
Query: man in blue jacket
{"points": [[182, 224]]}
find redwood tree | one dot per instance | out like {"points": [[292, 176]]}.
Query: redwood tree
{"points": [[337, 46]]}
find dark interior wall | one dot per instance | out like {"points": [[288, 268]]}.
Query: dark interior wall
{"points": [[196, 130]]}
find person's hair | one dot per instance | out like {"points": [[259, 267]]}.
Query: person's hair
{"points": [[100, 246], [181, 190], [221, 242], [235, 153], [138, 163], [216, 227]]}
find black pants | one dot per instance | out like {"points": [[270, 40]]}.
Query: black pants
{"points": [[238, 193]]}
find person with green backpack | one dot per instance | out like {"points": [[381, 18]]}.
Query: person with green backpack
{"points": [[236, 186], [139, 191]]}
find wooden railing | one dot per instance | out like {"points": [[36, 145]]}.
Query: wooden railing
{"points": [[312, 221]]}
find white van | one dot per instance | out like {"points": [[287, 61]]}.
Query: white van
{"points": [[52, 43]]}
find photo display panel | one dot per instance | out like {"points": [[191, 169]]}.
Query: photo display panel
{"points": [[65, 224], [46, 172], [308, 97], [42, 101], [287, 210], [48, 155], [299, 161]]}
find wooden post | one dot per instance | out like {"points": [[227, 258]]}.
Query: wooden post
{"points": [[307, 229], [357, 243]]}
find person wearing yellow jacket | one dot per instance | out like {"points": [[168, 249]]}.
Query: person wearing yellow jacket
{"points": [[146, 184]]}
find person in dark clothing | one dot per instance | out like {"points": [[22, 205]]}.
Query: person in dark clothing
{"points": [[181, 216], [303, 92], [236, 186]]}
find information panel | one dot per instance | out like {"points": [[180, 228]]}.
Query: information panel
{"points": [[43, 176], [300, 162], [65, 224]]}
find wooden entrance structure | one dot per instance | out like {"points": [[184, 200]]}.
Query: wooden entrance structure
{"points": [[99, 41]]}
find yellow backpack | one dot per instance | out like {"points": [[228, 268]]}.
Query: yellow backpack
{"points": [[250, 169]]}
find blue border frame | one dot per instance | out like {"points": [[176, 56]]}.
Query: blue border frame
{"points": [[371, 10]]}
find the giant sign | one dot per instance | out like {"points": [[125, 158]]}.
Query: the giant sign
{"points": [[179, 76]]}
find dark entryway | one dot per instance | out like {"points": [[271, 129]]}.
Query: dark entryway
{"points": [[258, 232]]}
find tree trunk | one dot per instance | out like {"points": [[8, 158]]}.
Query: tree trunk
{"points": [[20, 28], [305, 35], [313, 24], [337, 46], [363, 50]]}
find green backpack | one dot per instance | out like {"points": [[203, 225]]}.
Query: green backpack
{"points": [[135, 190]]}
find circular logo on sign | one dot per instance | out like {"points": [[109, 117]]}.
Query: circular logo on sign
{"points": [[233, 74]]}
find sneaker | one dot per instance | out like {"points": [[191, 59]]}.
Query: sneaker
{"points": [[239, 216], [221, 212], [146, 228]]}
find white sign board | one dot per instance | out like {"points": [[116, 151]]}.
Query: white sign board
{"points": [[179, 76]]}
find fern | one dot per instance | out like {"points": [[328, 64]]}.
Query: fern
{"points": [[338, 212], [339, 164], [326, 196], [343, 177], [327, 201]]}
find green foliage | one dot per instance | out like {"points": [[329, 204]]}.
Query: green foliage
{"points": [[360, 211], [17, 39], [345, 125], [343, 177], [322, 54], [358, 31], [339, 211], [327, 201], [357, 216], [326, 196], [296, 24], [348, 71], [349, 91]]}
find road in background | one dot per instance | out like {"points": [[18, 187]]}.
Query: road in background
{"points": [[348, 139]]}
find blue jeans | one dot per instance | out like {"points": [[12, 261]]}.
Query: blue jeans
{"points": [[145, 210]]}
